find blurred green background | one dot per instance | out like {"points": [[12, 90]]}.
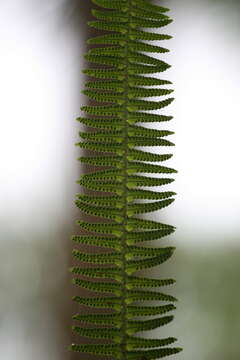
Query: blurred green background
{"points": [[41, 58]]}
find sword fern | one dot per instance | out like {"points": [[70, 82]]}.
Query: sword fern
{"points": [[121, 88]]}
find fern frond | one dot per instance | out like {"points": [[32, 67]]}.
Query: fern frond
{"points": [[119, 91]]}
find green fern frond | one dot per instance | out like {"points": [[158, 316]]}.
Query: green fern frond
{"points": [[119, 90]]}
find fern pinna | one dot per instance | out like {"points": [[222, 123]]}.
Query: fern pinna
{"points": [[114, 187]]}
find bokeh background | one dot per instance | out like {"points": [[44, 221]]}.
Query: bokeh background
{"points": [[41, 57]]}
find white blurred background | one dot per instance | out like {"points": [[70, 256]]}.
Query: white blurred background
{"points": [[41, 57]]}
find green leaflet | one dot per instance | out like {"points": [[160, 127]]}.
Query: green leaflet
{"points": [[112, 4], [144, 13], [134, 141], [136, 326], [152, 354], [140, 46], [103, 228], [138, 167], [99, 147], [134, 282], [137, 92], [149, 195], [134, 181], [114, 137], [123, 96], [105, 187], [136, 342], [97, 333], [103, 302], [145, 5], [146, 156], [145, 69], [100, 25], [133, 311], [135, 265], [102, 123], [102, 161], [146, 81], [105, 74], [105, 110], [133, 224], [106, 60], [147, 251], [111, 51], [117, 86], [115, 201], [104, 97], [134, 295], [145, 59], [146, 208], [136, 237], [101, 319], [147, 117], [108, 175], [96, 258], [105, 242], [110, 16], [95, 349], [135, 105], [145, 35], [106, 272], [99, 286], [135, 22], [109, 39], [111, 213]]}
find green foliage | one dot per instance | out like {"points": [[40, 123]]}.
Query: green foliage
{"points": [[119, 91]]}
